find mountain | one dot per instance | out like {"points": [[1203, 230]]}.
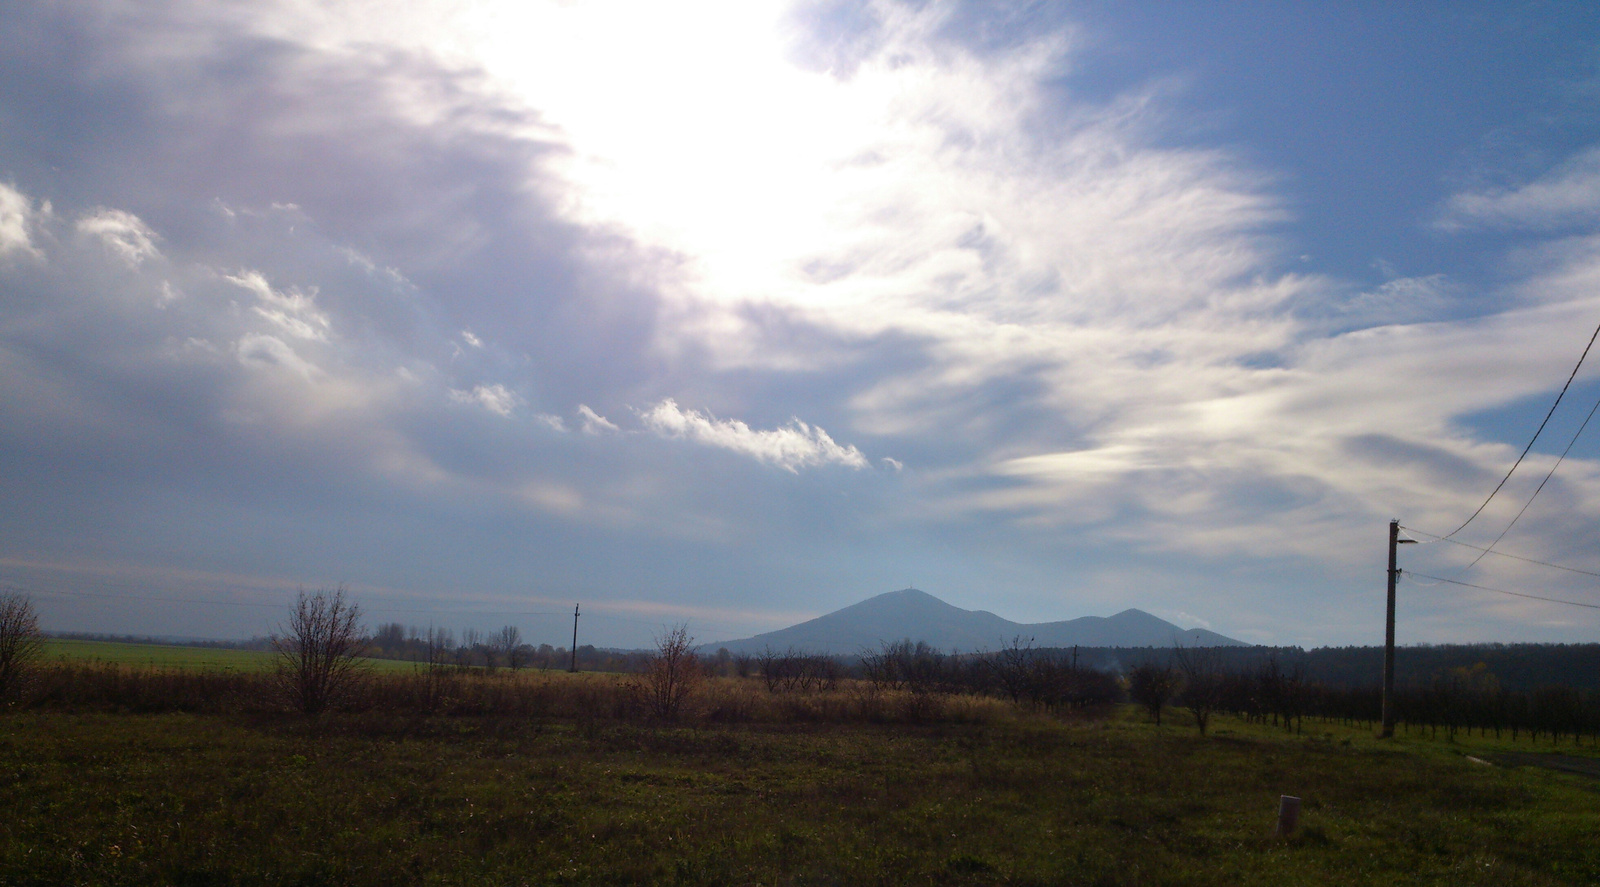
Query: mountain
{"points": [[919, 616]]}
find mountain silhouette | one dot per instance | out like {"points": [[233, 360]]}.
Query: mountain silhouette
{"points": [[918, 616]]}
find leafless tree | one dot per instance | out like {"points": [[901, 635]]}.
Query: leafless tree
{"points": [[319, 649], [1152, 686], [437, 649], [508, 642], [1013, 667], [795, 670], [1202, 681], [471, 645], [437, 645], [881, 666], [672, 674], [20, 640]]}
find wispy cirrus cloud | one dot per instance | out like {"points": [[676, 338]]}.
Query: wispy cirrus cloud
{"points": [[792, 447], [1565, 195]]}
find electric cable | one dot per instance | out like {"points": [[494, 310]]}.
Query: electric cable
{"points": [[1549, 474], [1535, 597], [1514, 557], [1535, 437]]}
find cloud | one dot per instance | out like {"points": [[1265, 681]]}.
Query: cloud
{"points": [[553, 422], [124, 233], [1064, 312], [17, 217], [295, 312], [1568, 194], [1401, 300], [497, 399], [593, 422], [262, 351], [1184, 619], [791, 448]]}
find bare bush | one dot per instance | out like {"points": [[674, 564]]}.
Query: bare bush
{"points": [[20, 640], [672, 674], [319, 649]]}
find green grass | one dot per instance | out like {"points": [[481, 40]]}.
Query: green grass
{"points": [[167, 656], [389, 799]]}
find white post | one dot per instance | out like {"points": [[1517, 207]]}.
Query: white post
{"points": [[1288, 814]]}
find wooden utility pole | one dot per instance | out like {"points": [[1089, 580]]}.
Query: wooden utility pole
{"points": [[574, 666], [1388, 631]]}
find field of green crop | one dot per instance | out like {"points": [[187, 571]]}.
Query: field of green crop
{"points": [[103, 798], [157, 655]]}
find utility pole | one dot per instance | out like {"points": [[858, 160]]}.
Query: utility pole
{"points": [[1388, 630], [574, 666]]}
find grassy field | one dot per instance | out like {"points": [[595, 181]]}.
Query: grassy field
{"points": [[180, 657], [389, 799]]}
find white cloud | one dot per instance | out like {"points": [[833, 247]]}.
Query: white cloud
{"points": [[1184, 619], [1401, 300], [17, 217], [893, 463], [495, 398], [791, 448], [554, 423], [1567, 194], [270, 352], [470, 339], [125, 234], [593, 422], [294, 312]]}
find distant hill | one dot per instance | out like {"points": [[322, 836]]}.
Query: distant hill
{"points": [[919, 616]]}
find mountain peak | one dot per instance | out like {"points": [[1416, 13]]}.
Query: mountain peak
{"points": [[913, 614]]}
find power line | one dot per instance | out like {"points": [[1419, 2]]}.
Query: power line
{"points": [[1503, 591], [1535, 437], [1537, 490], [1500, 553]]}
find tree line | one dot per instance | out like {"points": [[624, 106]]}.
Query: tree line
{"points": [[319, 647]]}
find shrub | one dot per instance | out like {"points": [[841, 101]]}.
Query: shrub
{"points": [[671, 675], [319, 650], [20, 640]]}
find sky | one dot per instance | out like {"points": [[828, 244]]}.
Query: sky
{"points": [[734, 314]]}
